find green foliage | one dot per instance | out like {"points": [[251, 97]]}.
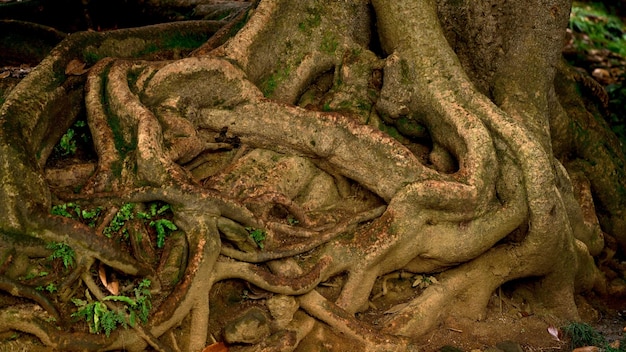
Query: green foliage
{"points": [[257, 235], [121, 217], [51, 287], [64, 210], [62, 251], [595, 28], [153, 210], [292, 221], [600, 29], [102, 319], [162, 226], [583, 334], [98, 316], [271, 83], [73, 211], [69, 142]]}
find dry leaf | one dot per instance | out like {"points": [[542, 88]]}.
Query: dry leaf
{"points": [[216, 347], [113, 286], [554, 332], [418, 280], [5, 74], [587, 349], [75, 67]]}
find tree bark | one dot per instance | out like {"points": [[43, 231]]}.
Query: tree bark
{"points": [[323, 143]]}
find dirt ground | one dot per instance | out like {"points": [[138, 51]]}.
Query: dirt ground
{"points": [[528, 332]]}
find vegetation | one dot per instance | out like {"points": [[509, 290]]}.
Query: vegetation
{"points": [[582, 334], [73, 211], [599, 33], [468, 187], [75, 136], [62, 251], [602, 30], [124, 214], [162, 225], [101, 318], [257, 235]]}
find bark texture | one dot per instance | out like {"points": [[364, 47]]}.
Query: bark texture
{"points": [[362, 138]]}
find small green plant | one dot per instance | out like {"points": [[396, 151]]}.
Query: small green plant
{"points": [[257, 235], [162, 226], [73, 211], [292, 221], [98, 316], [67, 144], [583, 334], [121, 217], [65, 210], [51, 287], [423, 282], [62, 251], [102, 319]]}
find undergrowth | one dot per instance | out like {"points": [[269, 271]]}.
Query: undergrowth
{"points": [[596, 29], [582, 335], [102, 318]]}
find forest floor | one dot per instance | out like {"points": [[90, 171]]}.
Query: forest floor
{"points": [[509, 325]]}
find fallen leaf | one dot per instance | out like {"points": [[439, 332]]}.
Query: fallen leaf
{"points": [[554, 331], [418, 280], [587, 349], [216, 347], [114, 286], [5, 74], [615, 344], [75, 67]]}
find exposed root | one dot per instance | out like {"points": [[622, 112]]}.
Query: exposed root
{"points": [[483, 204]]}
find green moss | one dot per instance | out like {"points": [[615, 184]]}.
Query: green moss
{"points": [[269, 85], [405, 71], [364, 105], [410, 127], [91, 57], [313, 20], [329, 44], [391, 131]]}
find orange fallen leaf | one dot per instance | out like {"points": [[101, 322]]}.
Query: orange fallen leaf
{"points": [[75, 67], [587, 349], [113, 286], [216, 347]]}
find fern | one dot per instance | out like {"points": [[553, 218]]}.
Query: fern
{"points": [[123, 215], [257, 235], [62, 251], [102, 319], [163, 228]]}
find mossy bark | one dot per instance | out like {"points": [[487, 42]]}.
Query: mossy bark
{"points": [[280, 129]]}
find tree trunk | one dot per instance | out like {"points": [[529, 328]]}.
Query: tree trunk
{"points": [[310, 151]]}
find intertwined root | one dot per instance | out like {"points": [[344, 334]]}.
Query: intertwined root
{"points": [[327, 198]]}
